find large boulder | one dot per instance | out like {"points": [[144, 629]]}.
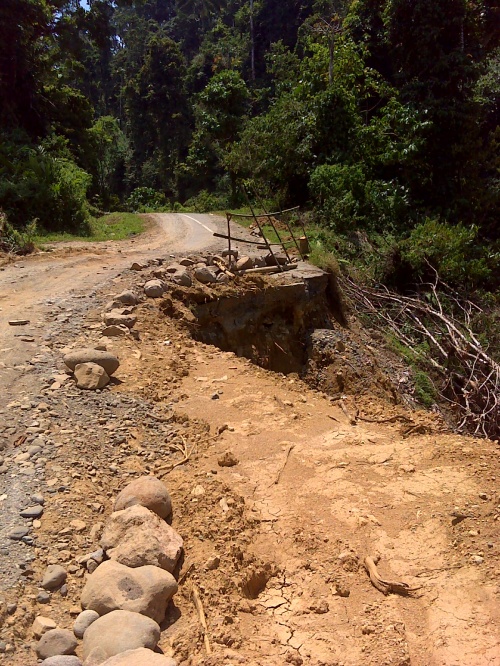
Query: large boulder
{"points": [[139, 657], [91, 376], [119, 631], [55, 642], [137, 537], [105, 359], [113, 586], [154, 288], [147, 491]]}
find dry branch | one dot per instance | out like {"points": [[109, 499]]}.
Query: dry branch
{"points": [[470, 378]]}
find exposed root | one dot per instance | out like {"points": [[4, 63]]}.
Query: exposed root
{"points": [[386, 586]]}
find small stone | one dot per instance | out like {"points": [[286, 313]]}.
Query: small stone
{"points": [[11, 608], [205, 275], [127, 298], [78, 525], [215, 396], [56, 642], [55, 576], [228, 459], [41, 625], [212, 563], [43, 598], [483, 496], [477, 559], [32, 511], [83, 622], [115, 331], [116, 318], [244, 263], [136, 266], [18, 322], [18, 533], [38, 499], [342, 590], [368, 629], [91, 376], [154, 288]]}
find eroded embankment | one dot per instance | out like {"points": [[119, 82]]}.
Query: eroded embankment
{"points": [[285, 323]]}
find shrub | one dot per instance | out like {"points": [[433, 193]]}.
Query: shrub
{"points": [[51, 189], [205, 202], [144, 199], [346, 198], [453, 251], [17, 242]]}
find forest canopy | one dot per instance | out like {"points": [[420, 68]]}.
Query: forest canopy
{"points": [[380, 116]]}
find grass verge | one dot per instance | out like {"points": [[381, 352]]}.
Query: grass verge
{"points": [[113, 226]]}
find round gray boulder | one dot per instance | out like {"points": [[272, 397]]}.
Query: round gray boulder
{"points": [[113, 586], [147, 491], [119, 631]]}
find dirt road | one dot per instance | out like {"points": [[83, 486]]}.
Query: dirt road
{"points": [[275, 542]]}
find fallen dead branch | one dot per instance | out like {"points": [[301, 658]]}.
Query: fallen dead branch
{"points": [[391, 419], [468, 378], [386, 586], [202, 617], [181, 449]]}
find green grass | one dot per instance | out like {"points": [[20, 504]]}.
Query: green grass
{"points": [[114, 226]]}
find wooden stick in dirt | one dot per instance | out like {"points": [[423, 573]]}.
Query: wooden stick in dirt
{"points": [[201, 614], [385, 586], [352, 419], [282, 469]]}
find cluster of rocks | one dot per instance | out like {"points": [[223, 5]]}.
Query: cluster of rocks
{"points": [[93, 368], [207, 269], [126, 595]]}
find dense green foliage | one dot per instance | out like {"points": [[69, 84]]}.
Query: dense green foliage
{"points": [[382, 116]]}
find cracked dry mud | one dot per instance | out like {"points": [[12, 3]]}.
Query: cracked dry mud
{"points": [[274, 543]]}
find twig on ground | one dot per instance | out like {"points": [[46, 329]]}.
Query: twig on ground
{"points": [[202, 617], [282, 468]]}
